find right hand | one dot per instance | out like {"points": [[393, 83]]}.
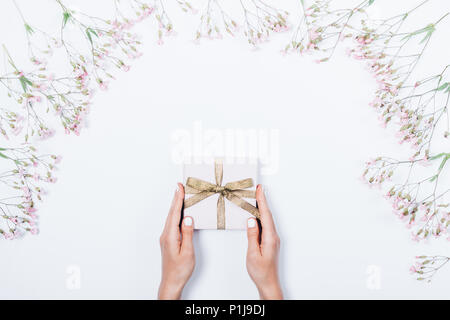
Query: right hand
{"points": [[263, 251]]}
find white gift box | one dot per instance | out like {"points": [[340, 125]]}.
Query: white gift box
{"points": [[204, 212]]}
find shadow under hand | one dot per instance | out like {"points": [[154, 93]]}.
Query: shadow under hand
{"points": [[282, 263]]}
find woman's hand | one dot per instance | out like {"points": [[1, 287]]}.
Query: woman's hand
{"points": [[263, 249], [177, 250]]}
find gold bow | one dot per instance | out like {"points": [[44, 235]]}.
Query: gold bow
{"points": [[233, 191]]}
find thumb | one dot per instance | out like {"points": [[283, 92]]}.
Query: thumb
{"points": [[187, 231], [253, 236]]}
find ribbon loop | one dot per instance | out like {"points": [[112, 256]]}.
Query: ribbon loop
{"points": [[241, 184], [200, 185], [232, 191]]}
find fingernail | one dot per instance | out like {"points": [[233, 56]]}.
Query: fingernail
{"points": [[251, 223], [177, 188], [187, 221]]}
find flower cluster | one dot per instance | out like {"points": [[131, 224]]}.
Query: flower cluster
{"points": [[420, 202], [165, 26], [414, 110], [418, 108], [322, 28], [40, 91], [426, 267], [260, 20], [22, 183], [213, 20], [42, 99]]}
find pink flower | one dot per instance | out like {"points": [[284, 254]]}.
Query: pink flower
{"points": [[376, 102], [21, 172], [47, 133], [26, 192], [31, 209], [425, 162], [313, 34], [148, 11], [16, 131], [51, 180], [8, 236], [42, 87], [103, 86], [17, 234], [415, 237]]}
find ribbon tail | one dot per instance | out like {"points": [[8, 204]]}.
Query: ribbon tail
{"points": [[190, 190], [240, 184], [251, 194], [199, 184], [243, 204], [220, 213]]}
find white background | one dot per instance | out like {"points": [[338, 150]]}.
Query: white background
{"points": [[105, 214]]}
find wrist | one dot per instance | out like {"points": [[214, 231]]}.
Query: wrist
{"points": [[271, 291], [169, 291]]}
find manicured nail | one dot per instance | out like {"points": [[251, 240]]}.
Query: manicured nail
{"points": [[251, 223], [187, 221]]}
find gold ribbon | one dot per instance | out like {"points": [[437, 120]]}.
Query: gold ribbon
{"points": [[233, 191]]}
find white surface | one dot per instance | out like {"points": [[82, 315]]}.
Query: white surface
{"points": [[104, 216]]}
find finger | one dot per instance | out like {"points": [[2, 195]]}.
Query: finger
{"points": [[174, 216], [253, 236], [187, 232], [267, 223]]}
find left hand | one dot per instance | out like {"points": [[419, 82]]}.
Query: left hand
{"points": [[177, 250]]}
